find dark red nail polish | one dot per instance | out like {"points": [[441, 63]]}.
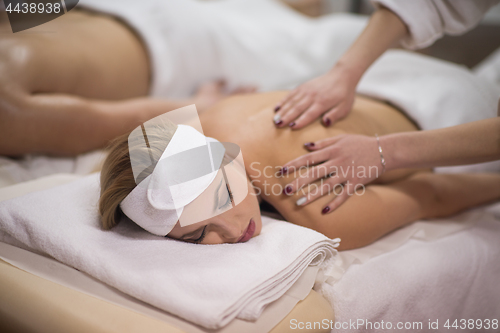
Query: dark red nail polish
{"points": [[309, 145], [292, 124], [325, 210], [283, 170], [278, 123], [327, 122], [287, 190], [276, 109]]}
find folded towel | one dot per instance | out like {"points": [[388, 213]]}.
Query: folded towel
{"points": [[206, 284]]}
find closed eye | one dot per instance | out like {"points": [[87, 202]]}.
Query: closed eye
{"points": [[224, 197], [203, 234]]}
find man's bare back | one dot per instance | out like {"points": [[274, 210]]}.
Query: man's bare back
{"points": [[71, 85]]}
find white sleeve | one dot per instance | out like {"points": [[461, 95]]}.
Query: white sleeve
{"points": [[429, 20]]}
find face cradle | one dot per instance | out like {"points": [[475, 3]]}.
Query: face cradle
{"points": [[231, 226]]}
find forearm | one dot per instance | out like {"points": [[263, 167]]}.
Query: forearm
{"points": [[470, 143], [383, 208], [383, 31], [69, 125], [454, 193]]}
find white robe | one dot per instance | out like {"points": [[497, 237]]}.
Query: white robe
{"points": [[429, 20]]}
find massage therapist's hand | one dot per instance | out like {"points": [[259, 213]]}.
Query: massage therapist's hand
{"points": [[351, 160], [329, 96]]}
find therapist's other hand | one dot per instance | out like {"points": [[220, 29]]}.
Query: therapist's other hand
{"points": [[348, 162], [329, 96]]}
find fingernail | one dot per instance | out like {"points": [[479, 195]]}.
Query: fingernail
{"points": [[291, 124], [277, 120], [309, 145], [327, 122], [301, 201], [277, 108], [287, 189], [283, 170], [325, 210]]}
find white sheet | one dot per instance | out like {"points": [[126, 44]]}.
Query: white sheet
{"points": [[451, 277], [30, 167]]}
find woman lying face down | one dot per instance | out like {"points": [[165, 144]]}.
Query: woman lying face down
{"points": [[394, 200], [226, 211]]}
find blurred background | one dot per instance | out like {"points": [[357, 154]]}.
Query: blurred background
{"points": [[468, 49]]}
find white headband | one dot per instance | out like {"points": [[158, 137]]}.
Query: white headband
{"points": [[156, 203]]}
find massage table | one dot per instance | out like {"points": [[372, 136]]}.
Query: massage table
{"points": [[441, 270], [34, 304]]}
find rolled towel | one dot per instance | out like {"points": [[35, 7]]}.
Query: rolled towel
{"points": [[209, 285]]}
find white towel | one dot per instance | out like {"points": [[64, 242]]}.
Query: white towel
{"points": [[206, 284]]}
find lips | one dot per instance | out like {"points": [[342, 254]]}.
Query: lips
{"points": [[248, 232]]}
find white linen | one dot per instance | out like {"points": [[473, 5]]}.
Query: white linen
{"points": [[29, 167], [489, 68], [434, 93], [429, 20], [451, 277], [207, 285], [259, 42]]}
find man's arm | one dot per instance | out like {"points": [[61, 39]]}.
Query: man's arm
{"points": [[60, 124], [69, 125]]}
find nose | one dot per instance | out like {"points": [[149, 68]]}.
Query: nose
{"points": [[229, 229]]}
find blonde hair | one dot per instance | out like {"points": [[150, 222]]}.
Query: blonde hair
{"points": [[117, 178]]}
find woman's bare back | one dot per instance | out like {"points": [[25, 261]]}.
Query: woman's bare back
{"points": [[247, 120], [396, 199]]}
